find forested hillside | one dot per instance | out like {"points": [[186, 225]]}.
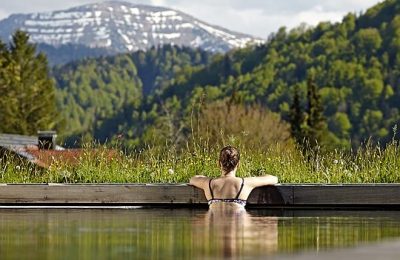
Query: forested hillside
{"points": [[71, 52], [354, 65], [100, 96]]}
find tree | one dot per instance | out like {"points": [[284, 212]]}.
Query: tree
{"points": [[316, 123], [296, 118], [28, 96], [251, 126], [368, 40], [8, 104]]}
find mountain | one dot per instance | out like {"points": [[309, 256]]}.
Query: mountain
{"points": [[355, 65], [144, 96], [121, 27]]}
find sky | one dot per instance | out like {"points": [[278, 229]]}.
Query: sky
{"points": [[256, 17]]}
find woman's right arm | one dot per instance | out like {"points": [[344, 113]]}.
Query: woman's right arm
{"points": [[261, 181], [200, 181]]}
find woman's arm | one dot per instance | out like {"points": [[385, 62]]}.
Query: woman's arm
{"points": [[200, 181], [261, 181]]}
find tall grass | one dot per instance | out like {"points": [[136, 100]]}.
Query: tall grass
{"points": [[369, 164]]}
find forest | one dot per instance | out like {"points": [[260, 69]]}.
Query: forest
{"points": [[335, 85]]}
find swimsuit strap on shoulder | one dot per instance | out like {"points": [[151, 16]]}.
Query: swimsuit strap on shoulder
{"points": [[209, 185], [241, 187]]}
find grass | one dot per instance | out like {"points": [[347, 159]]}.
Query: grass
{"points": [[369, 164]]}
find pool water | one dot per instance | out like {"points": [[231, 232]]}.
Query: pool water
{"points": [[186, 233]]}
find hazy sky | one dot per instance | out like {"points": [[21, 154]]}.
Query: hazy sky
{"points": [[256, 17]]}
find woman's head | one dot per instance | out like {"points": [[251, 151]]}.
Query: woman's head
{"points": [[229, 158]]}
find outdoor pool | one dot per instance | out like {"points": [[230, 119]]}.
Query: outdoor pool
{"points": [[186, 233]]}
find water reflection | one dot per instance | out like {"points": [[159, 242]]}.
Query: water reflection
{"points": [[183, 234], [235, 233]]}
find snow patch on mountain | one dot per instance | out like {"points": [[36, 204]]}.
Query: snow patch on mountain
{"points": [[122, 27]]}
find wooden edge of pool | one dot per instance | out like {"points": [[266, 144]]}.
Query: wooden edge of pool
{"points": [[346, 196]]}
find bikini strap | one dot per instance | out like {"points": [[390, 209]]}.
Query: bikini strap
{"points": [[209, 185], [241, 187]]}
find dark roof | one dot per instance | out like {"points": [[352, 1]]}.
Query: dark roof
{"points": [[11, 140]]}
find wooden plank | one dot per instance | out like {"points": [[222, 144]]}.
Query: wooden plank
{"points": [[99, 194], [182, 194], [368, 194]]}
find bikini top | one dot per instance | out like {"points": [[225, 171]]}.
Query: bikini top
{"points": [[234, 200]]}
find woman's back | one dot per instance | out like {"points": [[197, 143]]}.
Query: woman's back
{"points": [[229, 190], [226, 187], [230, 187], [226, 193]]}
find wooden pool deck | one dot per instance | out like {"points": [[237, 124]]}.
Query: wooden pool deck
{"points": [[379, 196]]}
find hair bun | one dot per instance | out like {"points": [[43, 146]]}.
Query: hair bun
{"points": [[229, 158]]}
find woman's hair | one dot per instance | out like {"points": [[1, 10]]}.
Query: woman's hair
{"points": [[228, 158]]}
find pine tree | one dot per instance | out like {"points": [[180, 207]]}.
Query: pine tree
{"points": [[8, 101], [227, 66], [296, 118], [316, 123], [29, 102]]}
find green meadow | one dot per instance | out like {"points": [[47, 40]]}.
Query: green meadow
{"points": [[369, 164]]}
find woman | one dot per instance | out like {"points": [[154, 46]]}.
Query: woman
{"points": [[229, 191]]}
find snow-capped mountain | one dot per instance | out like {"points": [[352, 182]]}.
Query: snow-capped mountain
{"points": [[122, 26]]}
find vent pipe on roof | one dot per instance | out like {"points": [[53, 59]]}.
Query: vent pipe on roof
{"points": [[47, 140]]}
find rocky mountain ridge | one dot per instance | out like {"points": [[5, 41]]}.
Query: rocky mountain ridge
{"points": [[122, 26]]}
